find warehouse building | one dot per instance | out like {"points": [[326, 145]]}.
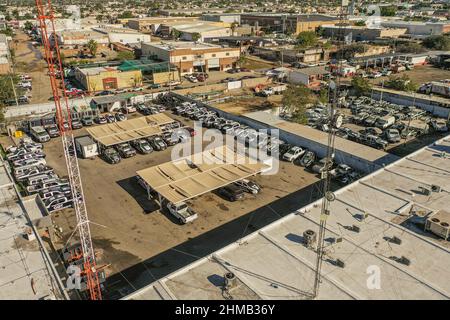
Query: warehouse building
{"points": [[385, 238], [311, 77], [196, 31], [288, 23], [359, 33], [123, 35], [152, 24], [222, 17], [417, 28], [107, 78], [191, 57], [72, 39]]}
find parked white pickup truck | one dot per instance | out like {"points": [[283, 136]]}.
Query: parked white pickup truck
{"points": [[182, 212]]}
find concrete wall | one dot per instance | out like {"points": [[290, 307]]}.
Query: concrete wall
{"points": [[360, 164], [41, 108]]}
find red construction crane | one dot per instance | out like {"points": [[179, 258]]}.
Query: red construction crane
{"points": [[46, 20]]}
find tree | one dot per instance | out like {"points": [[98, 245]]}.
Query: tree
{"points": [[28, 26], [196, 36], [306, 39], [410, 47], [241, 60], [402, 83], [7, 90], [125, 55], [176, 34], [388, 11], [323, 95], [361, 86], [441, 42], [296, 99], [92, 45], [8, 31], [125, 15], [349, 52], [360, 23]]}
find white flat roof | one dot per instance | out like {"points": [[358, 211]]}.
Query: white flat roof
{"points": [[25, 273], [273, 263], [174, 45]]}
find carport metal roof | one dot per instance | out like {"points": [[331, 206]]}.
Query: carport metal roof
{"points": [[128, 130], [189, 177]]}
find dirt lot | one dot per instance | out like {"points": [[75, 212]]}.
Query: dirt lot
{"points": [[128, 229], [30, 60], [255, 63], [421, 74], [246, 101]]}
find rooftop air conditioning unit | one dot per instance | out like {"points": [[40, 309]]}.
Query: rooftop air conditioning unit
{"points": [[309, 237], [439, 224]]}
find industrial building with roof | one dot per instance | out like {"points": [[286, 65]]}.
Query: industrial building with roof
{"points": [[152, 24], [290, 23], [417, 28], [386, 238], [201, 29], [360, 33], [123, 35], [107, 78], [191, 57]]}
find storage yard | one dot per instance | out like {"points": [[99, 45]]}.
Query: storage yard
{"points": [[173, 152], [128, 229]]}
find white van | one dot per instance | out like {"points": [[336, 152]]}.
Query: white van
{"points": [[385, 122]]}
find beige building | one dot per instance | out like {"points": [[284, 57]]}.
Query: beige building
{"points": [[152, 24], [70, 39], [289, 23], [107, 78], [191, 57], [197, 31], [360, 33]]}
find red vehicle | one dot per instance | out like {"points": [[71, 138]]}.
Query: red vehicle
{"points": [[74, 92], [191, 131]]}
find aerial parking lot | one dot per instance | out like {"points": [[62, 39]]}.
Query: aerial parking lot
{"points": [[127, 228]]}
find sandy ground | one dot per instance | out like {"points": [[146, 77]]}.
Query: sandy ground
{"points": [[419, 75], [30, 60]]}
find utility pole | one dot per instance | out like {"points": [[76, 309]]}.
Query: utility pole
{"points": [[334, 122]]}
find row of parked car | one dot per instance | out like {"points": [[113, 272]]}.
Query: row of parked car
{"points": [[383, 122], [172, 134], [250, 137], [31, 170]]}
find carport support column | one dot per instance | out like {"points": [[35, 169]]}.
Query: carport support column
{"points": [[159, 197]]}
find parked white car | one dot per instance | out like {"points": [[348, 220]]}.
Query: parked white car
{"points": [[182, 212], [293, 153]]}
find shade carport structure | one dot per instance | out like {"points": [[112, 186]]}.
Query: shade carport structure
{"points": [[189, 177], [125, 131]]}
